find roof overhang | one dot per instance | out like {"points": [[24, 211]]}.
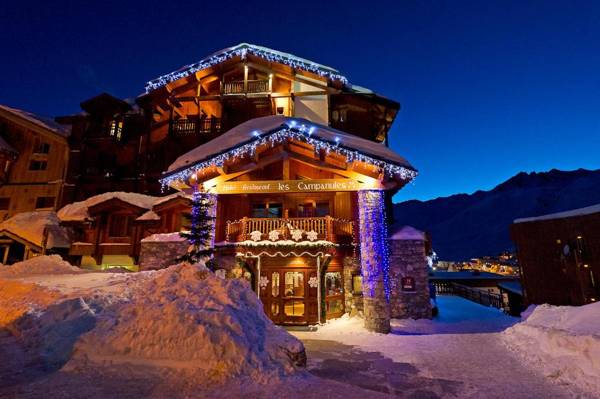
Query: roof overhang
{"points": [[242, 50], [245, 139]]}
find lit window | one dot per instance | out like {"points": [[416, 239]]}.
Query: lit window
{"points": [[116, 129], [294, 284], [357, 284], [333, 283], [275, 284]]}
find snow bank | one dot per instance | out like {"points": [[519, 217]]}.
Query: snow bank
{"points": [[185, 317], [43, 264], [164, 237], [18, 299], [562, 341]]}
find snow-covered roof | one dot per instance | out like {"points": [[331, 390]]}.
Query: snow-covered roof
{"points": [[560, 215], [149, 215], [79, 211], [241, 50], [262, 130], [167, 198], [406, 233], [30, 227], [40, 121], [164, 237]]}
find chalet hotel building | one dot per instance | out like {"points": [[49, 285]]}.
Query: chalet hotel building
{"points": [[297, 164]]}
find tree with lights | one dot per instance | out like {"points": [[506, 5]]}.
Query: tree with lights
{"points": [[201, 230]]}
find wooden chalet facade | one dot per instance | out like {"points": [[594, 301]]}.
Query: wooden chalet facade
{"points": [[125, 145], [107, 229], [33, 156], [559, 256], [296, 161]]}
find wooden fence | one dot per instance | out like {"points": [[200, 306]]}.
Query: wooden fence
{"points": [[478, 295]]}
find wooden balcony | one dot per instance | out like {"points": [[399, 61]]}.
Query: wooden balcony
{"points": [[252, 87], [327, 228], [195, 126]]}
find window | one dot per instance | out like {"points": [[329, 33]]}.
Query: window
{"points": [[4, 203], [116, 129], [268, 210], [275, 284], [36, 164], [306, 210], [41, 147], [119, 226], [44, 202], [259, 210], [294, 308], [333, 283], [357, 284], [294, 284], [322, 209]]}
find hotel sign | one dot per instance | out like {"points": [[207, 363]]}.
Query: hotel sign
{"points": [[293, 186]]}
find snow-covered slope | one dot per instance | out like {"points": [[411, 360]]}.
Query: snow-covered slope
{"points": [[561, 341], [463, 226]]}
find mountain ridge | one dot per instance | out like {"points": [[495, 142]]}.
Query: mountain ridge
{"points": [[463, 226]]}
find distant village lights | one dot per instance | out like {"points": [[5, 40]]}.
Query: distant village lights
{"points": [[285, 132]]}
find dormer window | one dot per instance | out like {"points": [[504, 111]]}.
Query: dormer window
{"points": [[116, 129]]}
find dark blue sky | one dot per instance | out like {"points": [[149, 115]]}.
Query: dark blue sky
{"points": [[488, 88]]}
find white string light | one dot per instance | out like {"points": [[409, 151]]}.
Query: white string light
{"points": [[279, 135], [242, 51]]}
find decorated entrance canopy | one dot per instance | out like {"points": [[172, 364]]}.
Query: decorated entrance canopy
{"points": [[242, 50], [246, 138]]}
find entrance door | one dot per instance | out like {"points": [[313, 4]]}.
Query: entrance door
{"points": [[290, 296]]}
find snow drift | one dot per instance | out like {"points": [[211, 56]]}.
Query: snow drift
{"points": [[187, 318], [44, 264], [182, 318], [562, 341]]}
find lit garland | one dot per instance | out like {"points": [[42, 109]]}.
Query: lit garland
{"points": [[242, 50], [278, 136], [373, 236]]}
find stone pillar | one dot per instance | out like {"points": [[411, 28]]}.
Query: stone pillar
{"points": [[374, 260], [408, 265]]}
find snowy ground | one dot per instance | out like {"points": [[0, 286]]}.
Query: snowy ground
{"points": [[459, 354]]}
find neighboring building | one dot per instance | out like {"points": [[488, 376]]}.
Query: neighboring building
{"points": [[559, 255], [107, 149], [108, 228], [33, 158], [29, 234]]}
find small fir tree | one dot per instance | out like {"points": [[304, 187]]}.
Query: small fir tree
{"points": [[201, 223]]}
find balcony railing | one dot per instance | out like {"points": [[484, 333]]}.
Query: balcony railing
{"points": [[327, 228], [254, 86], [195, 126]]}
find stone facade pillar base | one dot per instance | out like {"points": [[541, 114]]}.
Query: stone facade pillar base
{"points": [[377, 315]]}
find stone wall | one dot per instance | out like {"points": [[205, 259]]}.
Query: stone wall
{"points": [[408, 260], [353, 301], [160, 254]]}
